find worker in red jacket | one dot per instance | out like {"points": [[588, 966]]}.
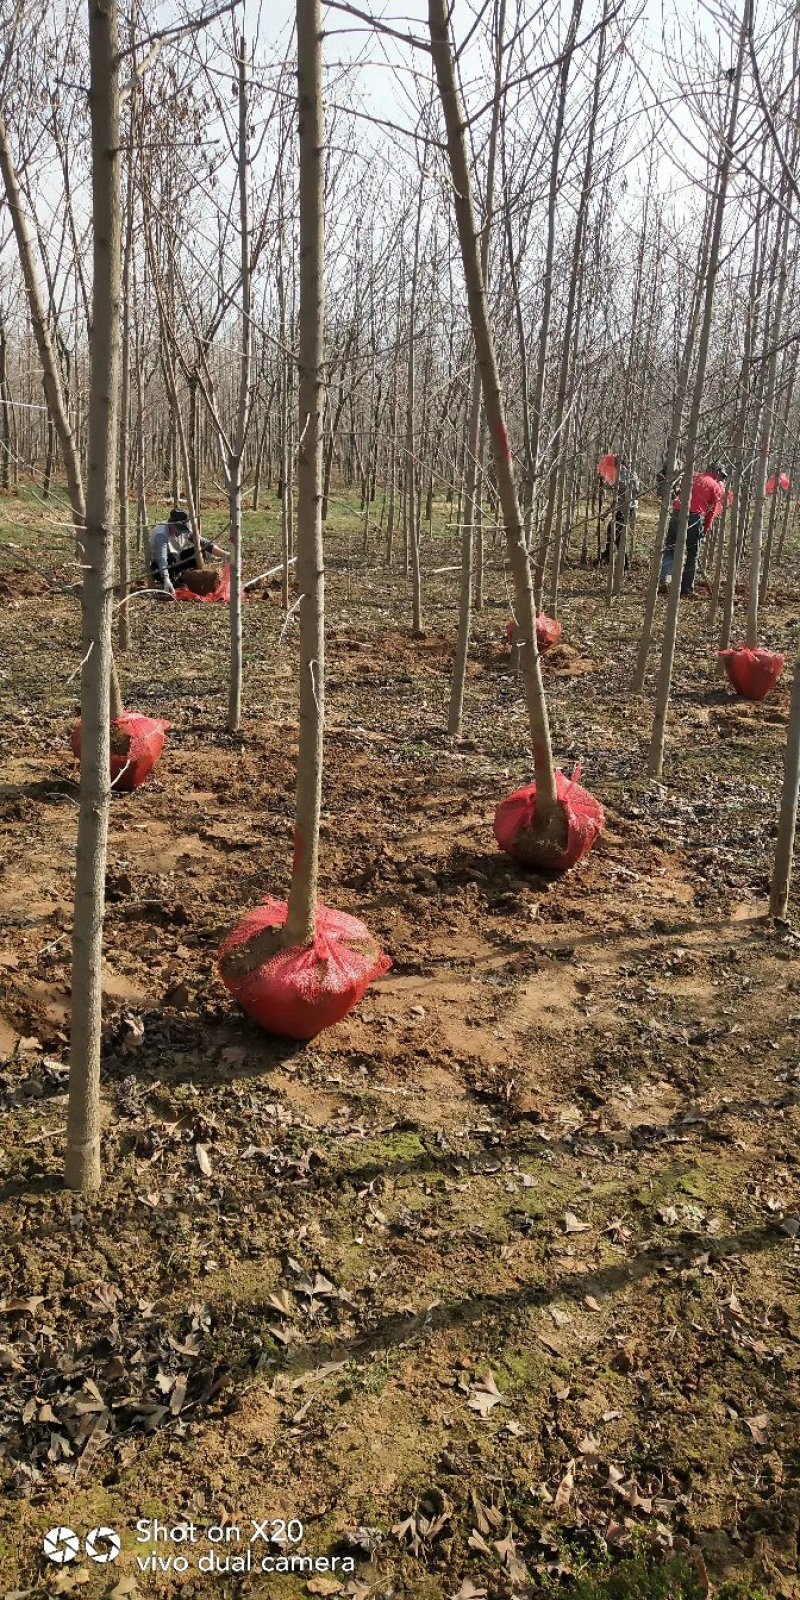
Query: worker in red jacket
{"points": [[708, 498]]}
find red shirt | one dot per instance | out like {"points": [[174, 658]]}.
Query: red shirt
{"points": [[708, 498]]}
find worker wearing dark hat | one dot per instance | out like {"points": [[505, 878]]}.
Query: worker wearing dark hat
{"points": [[172, 550]]}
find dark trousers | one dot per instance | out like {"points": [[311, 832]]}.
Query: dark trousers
{"points": [[694, 536], [619, 526]]}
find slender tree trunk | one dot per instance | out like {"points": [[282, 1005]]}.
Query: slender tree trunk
{"points": [[547, 286], [412, 467], [787, 821], [656, 759], [5, 413], [681, 390], [772, 335], [82, 1165], [123, 627], [576, 272], [50, 368], [547, 808], [236, 455], [456, 711], [302, 910]]}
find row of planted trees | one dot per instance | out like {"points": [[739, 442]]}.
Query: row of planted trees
{"points": [[297, 966], [591, 282]]}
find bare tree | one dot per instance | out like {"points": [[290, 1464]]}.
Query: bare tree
{"points": [[551, 823], [82, 1166]]}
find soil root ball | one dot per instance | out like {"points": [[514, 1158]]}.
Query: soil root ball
{"points": [[206, 581], [516, 831], [296, 992], [136, 744], [548, 632], [206, 584], [753, 673]]}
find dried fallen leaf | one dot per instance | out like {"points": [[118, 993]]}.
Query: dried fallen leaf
{"points": [[469, 1591], [178, 1394], [233, 1055], [573, 1225], [324, 1585], [203, 1161], [477, 1542], [590, 1445], [561, 1318], [127, 1585], [71, 1578], [484, 1396], [563, 1493], [758, 1428], [487, 1517], [281, 1301], [507, 1551]]}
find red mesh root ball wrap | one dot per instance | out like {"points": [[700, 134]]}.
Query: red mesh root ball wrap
{"points": [[197, 586], [136, 744], [514, 825], [299, 990], [548, 632], [753, 672]]}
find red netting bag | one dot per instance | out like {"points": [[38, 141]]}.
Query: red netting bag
{"points": [[753, 672], [514, 819], [221, 593], [298, 991], [779, 480], [136, 744], [607, 468], [548, 632]]}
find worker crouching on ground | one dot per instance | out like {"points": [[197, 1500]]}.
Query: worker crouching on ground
{"points": [[172, 551], [707, 500]]}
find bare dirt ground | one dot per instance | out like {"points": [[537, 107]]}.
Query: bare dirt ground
{"points": [[493, 1286]]}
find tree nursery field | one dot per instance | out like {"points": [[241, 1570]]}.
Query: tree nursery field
{"points": [[492, 1287]]}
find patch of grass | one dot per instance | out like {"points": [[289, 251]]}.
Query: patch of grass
{"points": [[637, 1578], [391, 1150]]}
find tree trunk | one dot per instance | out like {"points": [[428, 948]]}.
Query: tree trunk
{"points": [[787, 822], [50, 369], [5, 414], [82, 1166], [547, 801], [413, 468], [456, 711], [681, 390], [236, 455], [547, 285], [656, 757], [302, 909], [772, 334], [123, 629]]}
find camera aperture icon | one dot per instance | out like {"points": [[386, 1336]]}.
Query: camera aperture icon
{"points": [[61, 1545], [103, 1544]]}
